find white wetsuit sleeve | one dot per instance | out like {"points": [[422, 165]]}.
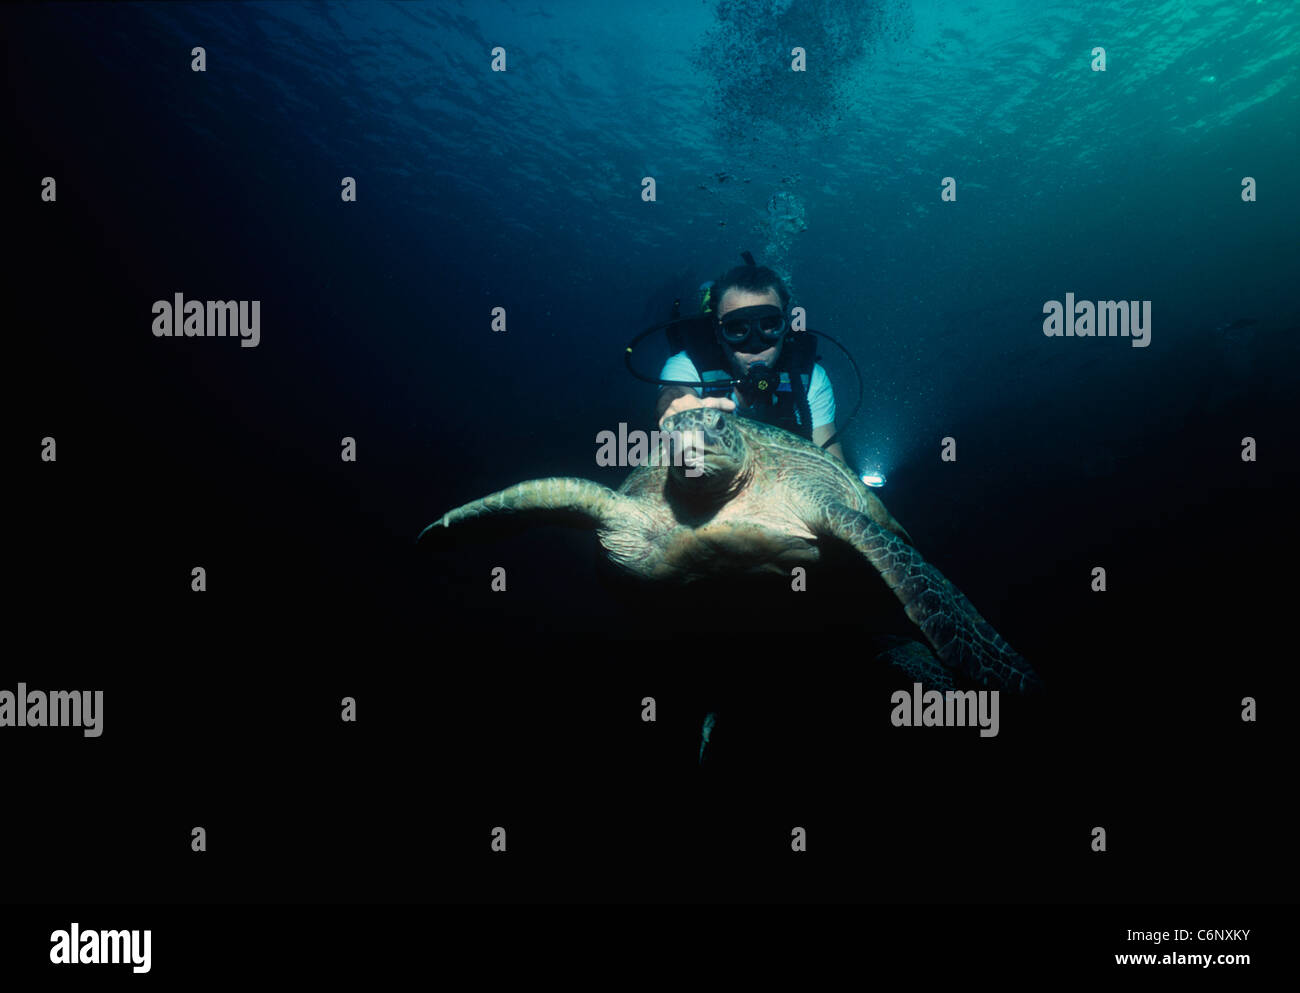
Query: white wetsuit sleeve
{"points": [[821, 398], [679, 366]]}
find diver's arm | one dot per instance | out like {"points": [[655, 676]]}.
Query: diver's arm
{"points": [[672, 399], [820, 434], [821, 402]]}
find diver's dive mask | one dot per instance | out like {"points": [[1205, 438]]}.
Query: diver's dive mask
{"points": [[752, 329]]}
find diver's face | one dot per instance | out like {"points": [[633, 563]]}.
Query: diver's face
{"points": [[734, 299]]}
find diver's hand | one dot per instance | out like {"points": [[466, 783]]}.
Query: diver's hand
{"points": [[690, 401]]}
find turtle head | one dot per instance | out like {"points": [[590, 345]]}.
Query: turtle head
{"points": [[708, 452]]}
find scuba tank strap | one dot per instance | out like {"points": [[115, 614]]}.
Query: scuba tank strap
{"points": [[801, 400], [800, 361]]}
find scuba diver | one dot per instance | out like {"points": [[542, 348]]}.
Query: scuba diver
{"points": [[741, 354], [746, 360]]}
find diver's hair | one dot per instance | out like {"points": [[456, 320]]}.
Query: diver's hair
{"points": [[755, 279]]}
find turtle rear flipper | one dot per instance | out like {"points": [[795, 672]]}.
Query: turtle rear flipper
{"points": [[963, 639], [918, 663], [557, 500]]}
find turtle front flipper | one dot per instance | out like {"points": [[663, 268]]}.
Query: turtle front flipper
{"points": [[558, 500], [963, 639]]}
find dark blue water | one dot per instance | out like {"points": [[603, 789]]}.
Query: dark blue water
{"points": [[522, 190]]}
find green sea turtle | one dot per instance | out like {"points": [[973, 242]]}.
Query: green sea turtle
{"points": [[732, 495]]}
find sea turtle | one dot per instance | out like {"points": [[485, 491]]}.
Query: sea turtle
{"points": [[728, 494]]}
